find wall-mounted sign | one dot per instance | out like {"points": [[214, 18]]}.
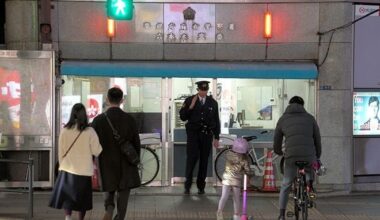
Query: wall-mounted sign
{"points": [[189, 23], [361, 10]]}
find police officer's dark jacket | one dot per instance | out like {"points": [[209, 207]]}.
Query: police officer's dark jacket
{"points": [[202, 118]]}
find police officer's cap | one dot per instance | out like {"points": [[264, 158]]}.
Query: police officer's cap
{"points": [[203, 85]]}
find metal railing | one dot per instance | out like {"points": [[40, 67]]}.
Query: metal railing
{"points": [[30, 185]]}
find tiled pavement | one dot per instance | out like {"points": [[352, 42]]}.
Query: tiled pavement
{"points": [[161, 203]]}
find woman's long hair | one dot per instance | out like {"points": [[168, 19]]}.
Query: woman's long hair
{"points": [[78, 117]]}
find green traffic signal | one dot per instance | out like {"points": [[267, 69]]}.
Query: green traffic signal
{"points": [[120, 9]]}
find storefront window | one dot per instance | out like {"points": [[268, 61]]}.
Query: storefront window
{"points": [[142, 98], [258, 103], [243, 103]]}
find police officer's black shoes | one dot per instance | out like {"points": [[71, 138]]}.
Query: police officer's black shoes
{"points": [[201, 191], [187, 192]]}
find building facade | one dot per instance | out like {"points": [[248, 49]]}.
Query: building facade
{"points": [[221, 32]]}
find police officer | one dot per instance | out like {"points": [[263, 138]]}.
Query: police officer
{"points": [[202, 129]]}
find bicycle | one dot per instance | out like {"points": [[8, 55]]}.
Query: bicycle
{"points": [[257, 164], [149, 161], [302, 199]]}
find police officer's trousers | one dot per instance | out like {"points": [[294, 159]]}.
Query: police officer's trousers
{"points": [[198, 147]]}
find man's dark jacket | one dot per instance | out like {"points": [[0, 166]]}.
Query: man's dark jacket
{"points": [[301, 132], [116, 172]]}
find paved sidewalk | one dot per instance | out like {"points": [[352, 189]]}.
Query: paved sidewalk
{"points": [[161, 203]]}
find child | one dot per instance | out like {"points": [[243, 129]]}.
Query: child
{"points": [[236, 165]]}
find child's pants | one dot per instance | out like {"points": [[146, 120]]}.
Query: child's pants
{"points": [[236, 197]]}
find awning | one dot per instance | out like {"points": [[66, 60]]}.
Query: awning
{"points": [[259, 70]]}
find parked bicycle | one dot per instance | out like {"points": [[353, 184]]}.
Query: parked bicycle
{"points": [[149, 160], [257, 164]]}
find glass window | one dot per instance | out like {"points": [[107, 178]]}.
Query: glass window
{"points": [[259, 103], [142, 98]]}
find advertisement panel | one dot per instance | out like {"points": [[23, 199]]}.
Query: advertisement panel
{"points": [[94, 106], [25, 93], [366, 113]]}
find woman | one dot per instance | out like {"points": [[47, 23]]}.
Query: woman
{"points": [[78, 143]]}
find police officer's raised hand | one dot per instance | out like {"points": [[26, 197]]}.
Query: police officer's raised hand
{"points": [[193, 102], [215, 143]]}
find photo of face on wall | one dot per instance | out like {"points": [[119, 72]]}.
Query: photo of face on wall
{"points": [[366, 113]]}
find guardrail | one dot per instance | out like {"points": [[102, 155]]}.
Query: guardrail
{"points": [[30, 185]]}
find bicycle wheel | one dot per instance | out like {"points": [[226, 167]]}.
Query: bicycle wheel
{"points": [[220, 163], [258, 176], [149, 166], [296, 199], [305, 199]]}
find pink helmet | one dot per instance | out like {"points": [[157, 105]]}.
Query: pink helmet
{"points": [[240, 145]]}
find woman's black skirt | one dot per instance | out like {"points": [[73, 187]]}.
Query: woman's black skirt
{"points": [[73, 192]]}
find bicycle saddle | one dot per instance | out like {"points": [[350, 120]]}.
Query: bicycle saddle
{"points": [[249, 138], [301, 164]]}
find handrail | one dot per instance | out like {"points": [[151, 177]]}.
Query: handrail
{"points": [[30, 181]]}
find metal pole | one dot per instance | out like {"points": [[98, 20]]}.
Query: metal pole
{"points": [[30, 211]]}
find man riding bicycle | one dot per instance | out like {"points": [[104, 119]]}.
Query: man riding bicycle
{"points": [[302, 143]]}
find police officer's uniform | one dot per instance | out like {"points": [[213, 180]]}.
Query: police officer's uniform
{"points": [[202, 126]]}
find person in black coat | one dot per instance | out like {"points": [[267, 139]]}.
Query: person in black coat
{"points": [[202, 129], [302, 143], [117, 174]]}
